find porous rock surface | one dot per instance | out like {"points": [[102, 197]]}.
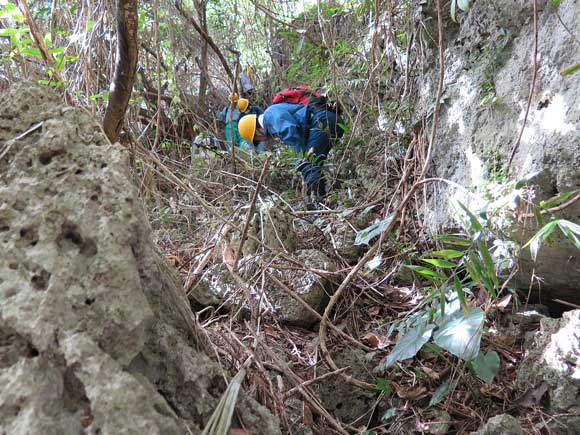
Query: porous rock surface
{"points": [[488, 72], [95, 336], [553, 356]]}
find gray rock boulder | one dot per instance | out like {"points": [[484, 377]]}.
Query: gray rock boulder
{"points": [[310, 287], [553, 356], [503, 424], [344, 401], [488, 70], [218, 287], [272, 226], [95, 334]]}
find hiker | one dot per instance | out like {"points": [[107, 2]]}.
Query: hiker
{"points": [[241, 108], [310, 129]]}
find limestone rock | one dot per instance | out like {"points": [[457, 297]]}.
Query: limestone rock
{"points": [[95, 335], [311, 288], [342, 239], [488, 68], [217, 287], [553, 356], [273, 227], [503, 424], [344, 401]]}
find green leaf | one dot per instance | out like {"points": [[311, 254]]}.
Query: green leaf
{"points": [[411, 343], [570, 230], [369, 233], [454, 239], [461, 334], [557, 200], [489, 266], [385, 386], [539, 218], [32, 51], [556, 2], [460, 294], [486, 367], [570, 70], [475, 224], [440, 263], [439, 394], [536, 241], [8, 32], [448, 253], [429, 273]]}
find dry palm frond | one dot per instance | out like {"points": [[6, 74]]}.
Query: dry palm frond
{"points": [[221, 419]]}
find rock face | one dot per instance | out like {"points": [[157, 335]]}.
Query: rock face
{"points": [[94, 334], [488, 71], [552, 356]]}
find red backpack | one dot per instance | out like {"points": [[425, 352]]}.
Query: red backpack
{"points": [[295, 94]]}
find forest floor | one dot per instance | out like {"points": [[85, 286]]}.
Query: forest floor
{"points": [[433, 392]]}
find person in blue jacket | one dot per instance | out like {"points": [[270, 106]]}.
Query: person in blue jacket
{"points": [[311, 130]]}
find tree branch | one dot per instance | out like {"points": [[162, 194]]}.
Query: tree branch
{"points": [[125, 68]]}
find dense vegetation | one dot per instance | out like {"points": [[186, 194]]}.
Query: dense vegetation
{"points": [[402, 294]]}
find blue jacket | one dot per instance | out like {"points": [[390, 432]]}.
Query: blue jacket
{"points": [[305, 128]]}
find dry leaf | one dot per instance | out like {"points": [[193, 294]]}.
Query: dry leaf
{"points": [[412, 393], [377, 341], [307, 417], [228, 254], [238, 431], [504, 302], [433, 375]]}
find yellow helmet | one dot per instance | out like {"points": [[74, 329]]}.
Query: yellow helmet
{"points": [[243, 104], [234, 97], [247, 127]]}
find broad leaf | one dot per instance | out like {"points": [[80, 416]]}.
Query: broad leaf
{"points": [[464, 5], [486, 367], [411, 343], [363, 237], [31, 51], [461, 334]]}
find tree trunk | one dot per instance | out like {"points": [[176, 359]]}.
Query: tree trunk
{"points": [[126, 62]]}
